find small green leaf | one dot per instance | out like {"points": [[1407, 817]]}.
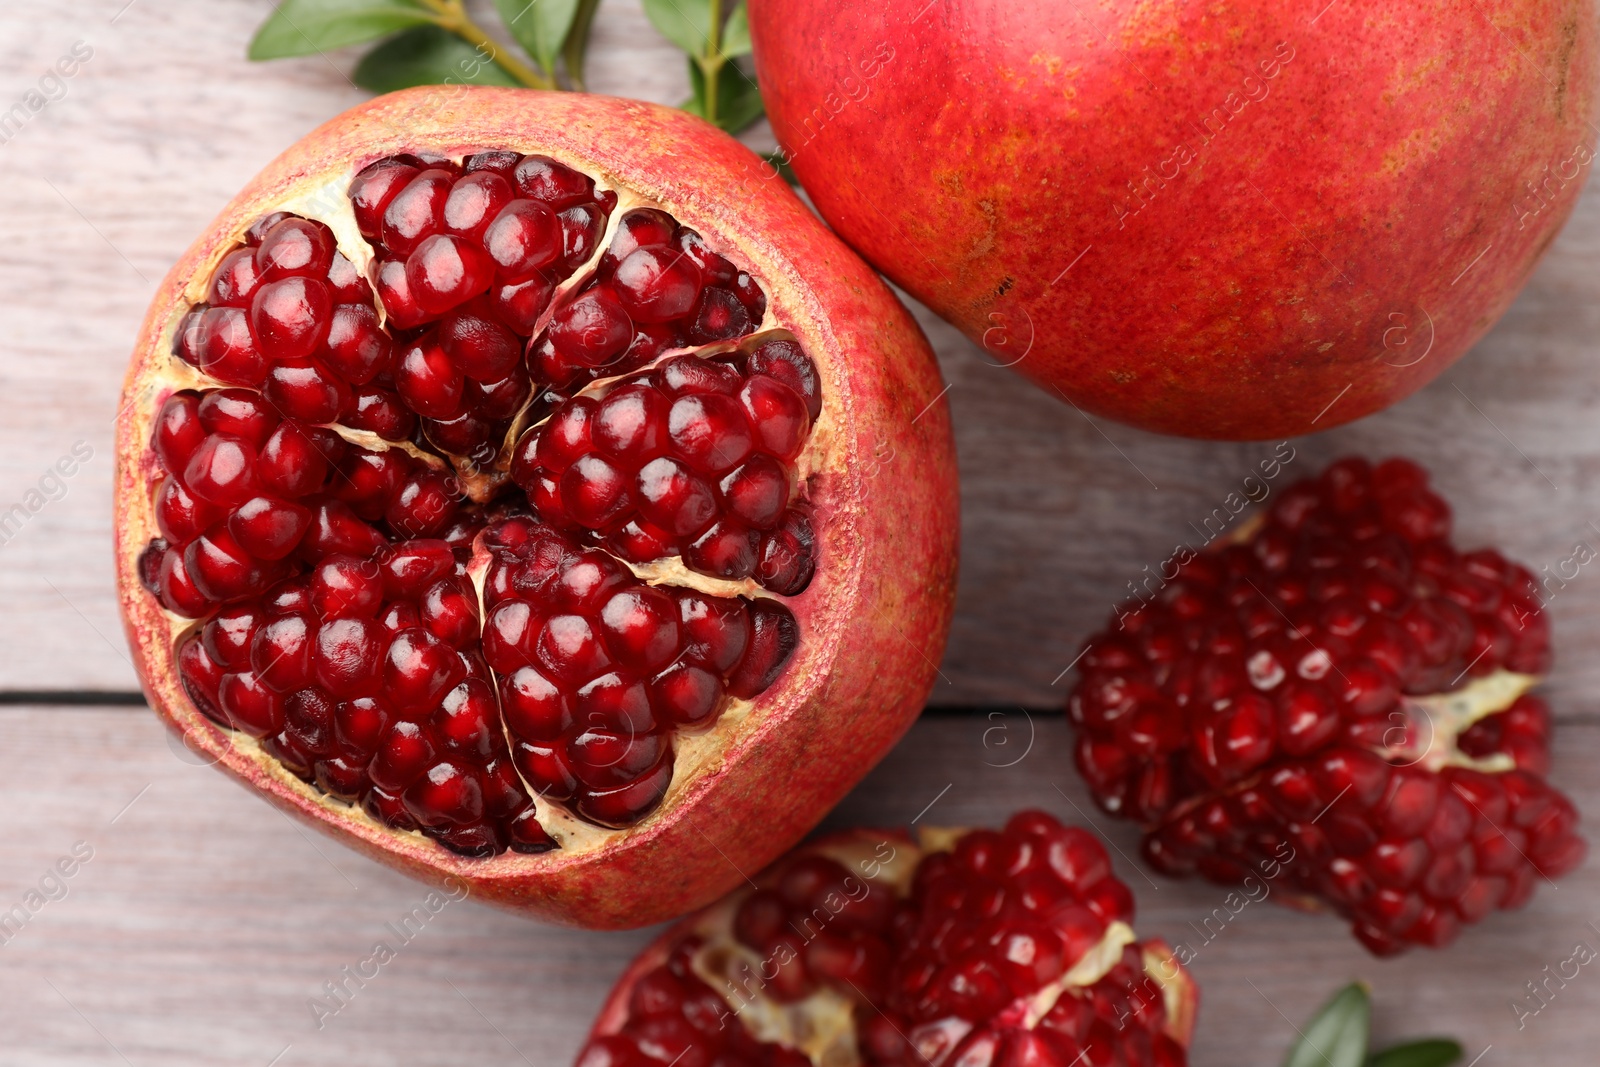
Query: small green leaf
{"points": [[686, 23], [305, 27], [1337, 1037], [780, 163], [741, 102], [1434, 1052], [576, 49], [427, 55], [540, 26], [736, 34], [738, 97], [696, 104]]}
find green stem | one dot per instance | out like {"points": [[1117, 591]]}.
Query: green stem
{"points": [[453, 17], [577, 44], [711, 62]]}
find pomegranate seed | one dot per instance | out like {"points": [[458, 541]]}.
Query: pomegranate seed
{"points": [[656, 283], [235, 280], [415, 211], [358, 349], [445, 271], [593, 330], [291, 317], [228, 350], [373, 189], [295, 248], [523, 238]]}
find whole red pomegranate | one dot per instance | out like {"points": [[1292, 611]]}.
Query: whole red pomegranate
{"points": [[1340, 697], [1243, 220], [502, 494], [970, 948]]}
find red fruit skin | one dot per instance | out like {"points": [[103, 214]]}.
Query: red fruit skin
{"points": [[1337, 180], [855, 684]]}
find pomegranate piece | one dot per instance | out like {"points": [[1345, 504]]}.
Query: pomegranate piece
{"points": [[1343, 695], [472, 542], [961, 947]]}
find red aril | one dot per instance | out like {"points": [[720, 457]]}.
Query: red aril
{"points": [[1340, 694], [979, 948], [495, 500]]}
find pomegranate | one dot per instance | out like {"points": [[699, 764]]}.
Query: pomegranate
{"points": [[961, 947], [493, 495], [1341, 689], [1238, 221]]}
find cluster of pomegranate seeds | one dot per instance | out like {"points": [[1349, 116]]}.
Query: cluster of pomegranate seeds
{"points": [[597, 669], [970, 967], [674, 1017], [1347, 684], [468, 257], [319, 505], [694, 458], [656, 288]]}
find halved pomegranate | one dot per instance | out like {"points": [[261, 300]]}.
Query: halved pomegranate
{"points": [[1340, 688], [968, 948], [494, 494]]}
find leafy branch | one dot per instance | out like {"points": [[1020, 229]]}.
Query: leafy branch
{"points": [[722, 92], [1338, 1036], [430, 42]]}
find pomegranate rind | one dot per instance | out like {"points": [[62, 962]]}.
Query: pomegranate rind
{"points": [[1181, 995], [873, 621], [1273, 212]]}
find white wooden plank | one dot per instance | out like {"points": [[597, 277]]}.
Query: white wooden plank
{"points": [[205, 921]]}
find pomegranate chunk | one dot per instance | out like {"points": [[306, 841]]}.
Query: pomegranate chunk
{"points": [[1344, 694], [968, 947], [335, 508], [352, 578]]}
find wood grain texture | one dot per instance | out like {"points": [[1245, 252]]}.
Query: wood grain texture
{"points": [[205, 922], [105, 187]]}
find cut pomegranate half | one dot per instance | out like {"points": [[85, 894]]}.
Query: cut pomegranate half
{"points": [[493, 498], [971, 948], [1340, 683]]}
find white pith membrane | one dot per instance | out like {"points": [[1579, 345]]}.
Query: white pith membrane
{"points": [[822, 1024], [1437, 721], [1430, 726], [694, 752]]}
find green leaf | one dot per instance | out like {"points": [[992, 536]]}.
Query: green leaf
{"points": [[304, 27], [540, 26], [1434, 1052], [427, 55], [777, 161], [738, 97], [577, 47], [1337, 1037], [736, 34], [686, 23], [741, 102]]}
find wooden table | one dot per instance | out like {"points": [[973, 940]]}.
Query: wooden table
{"points": [[205, 921]]}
